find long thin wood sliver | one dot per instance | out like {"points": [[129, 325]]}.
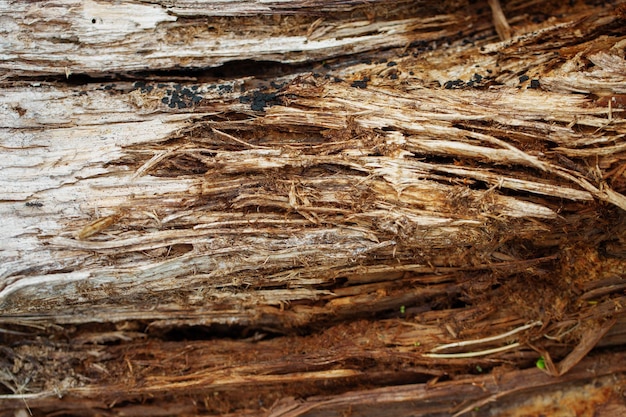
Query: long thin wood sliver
{"points": [[486, 339], [471, 354], [234, 139], [499, 20], [158, 157], [590, 338], [97, 226]]}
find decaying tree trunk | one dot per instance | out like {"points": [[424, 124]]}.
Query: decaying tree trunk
{"points": [[306, 208]]}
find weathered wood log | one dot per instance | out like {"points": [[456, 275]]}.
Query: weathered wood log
{"points": [[399, 203], [98, 38]]}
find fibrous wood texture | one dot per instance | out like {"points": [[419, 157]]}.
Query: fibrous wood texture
{"points": [[312, 208]]}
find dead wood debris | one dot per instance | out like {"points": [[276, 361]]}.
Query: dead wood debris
{"points": [[427, 225], [499, 20]]}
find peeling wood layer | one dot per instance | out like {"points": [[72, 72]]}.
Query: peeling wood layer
{"points": [[94, 37], [429, 204]]}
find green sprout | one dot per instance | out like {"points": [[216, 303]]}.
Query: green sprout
{"points": [[479, 368], [541, 363], [402, 309]]}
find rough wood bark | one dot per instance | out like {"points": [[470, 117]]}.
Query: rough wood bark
{"points": [[364, 233]]}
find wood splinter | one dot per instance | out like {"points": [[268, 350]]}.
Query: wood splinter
{"points": [[97, 226], [499, 20]]}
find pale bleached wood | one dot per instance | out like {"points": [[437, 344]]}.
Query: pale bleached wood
{"points": [[70, 202], [100, 37], [75, 188]]}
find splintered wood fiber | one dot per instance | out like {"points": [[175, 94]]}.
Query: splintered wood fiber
{"points": [[312, 208]]}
